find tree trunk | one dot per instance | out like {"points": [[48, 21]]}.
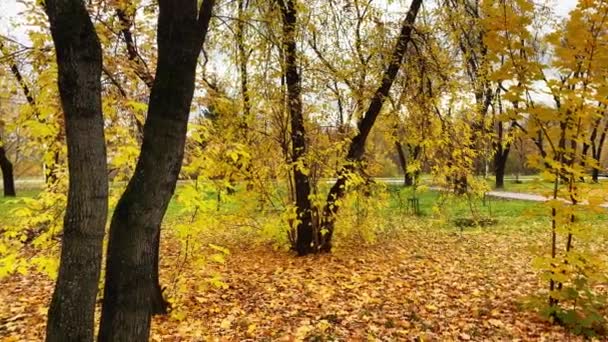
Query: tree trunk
{"points": [[500, 163], [597, 153], [595, 175], [7, 174], [79, 61], [132, 294], [499, 171], [460, 184], [243, 57], [408, 180], [304, 239], [357, 145]]}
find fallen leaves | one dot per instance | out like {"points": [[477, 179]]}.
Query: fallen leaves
{"points": [[23, 307], [426, 284], [423, 285]]}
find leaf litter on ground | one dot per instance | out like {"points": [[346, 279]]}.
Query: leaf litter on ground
{"points": [[421, 284]]}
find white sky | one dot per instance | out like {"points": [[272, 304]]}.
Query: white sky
{"points": [[9, 13]]}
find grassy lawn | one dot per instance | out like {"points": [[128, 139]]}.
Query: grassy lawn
{"points": [[430, 203], [8, 204], [532, 184]]}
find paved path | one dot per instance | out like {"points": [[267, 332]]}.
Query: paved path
{"points": [[517, 196], [528, 197]]}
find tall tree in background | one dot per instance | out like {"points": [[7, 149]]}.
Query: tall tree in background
{"points": [[79, 60], [8, 180], [463, 19], [292, 77], [131, 294]]}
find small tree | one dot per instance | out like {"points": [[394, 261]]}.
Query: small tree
{"points": [[571, 270]]}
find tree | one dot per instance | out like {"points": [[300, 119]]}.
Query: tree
{"points": [[7, 173], [304, 226], [510, 42], [135, 226], [574, 78], [79, 61], [357, 145], [6, 167]]}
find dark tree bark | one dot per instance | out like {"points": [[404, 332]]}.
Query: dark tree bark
{"points": [[413, 152], [243, 57], [79, 61], [597, 153], [357, 145], [132, 294], [139, 64], [596, 146], [305, 234], [8, 179], [595, 175], [408, 180], [501, 155], [500, 162]]}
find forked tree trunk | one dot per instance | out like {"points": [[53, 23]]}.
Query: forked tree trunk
{"points": [[8, 179], [305, 229], [357, 145], [132, 294], [79, 61]]}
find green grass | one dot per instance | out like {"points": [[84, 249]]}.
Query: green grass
{"points": [[8, 204], [504, 210], [431, 203], [460, 206]]}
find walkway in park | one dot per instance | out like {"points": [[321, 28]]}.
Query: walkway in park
{"points": [[516, 196], [526, 197]]}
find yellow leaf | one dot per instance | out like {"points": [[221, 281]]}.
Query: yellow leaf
{"points": [[226, 323]]}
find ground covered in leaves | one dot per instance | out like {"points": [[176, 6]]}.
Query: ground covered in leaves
{"points": [[422, 283]]}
